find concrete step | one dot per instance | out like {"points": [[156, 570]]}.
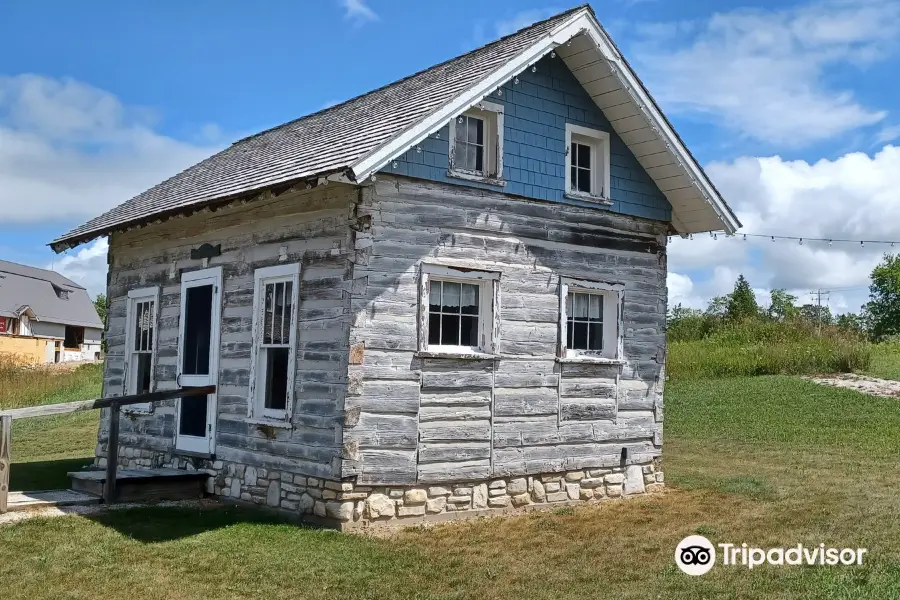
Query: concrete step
{"points": [[32, 500]]}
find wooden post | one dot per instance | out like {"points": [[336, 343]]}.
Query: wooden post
{"points": [[112, 454], [5, 439]]}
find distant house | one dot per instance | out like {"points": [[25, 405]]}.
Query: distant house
{"points": [[445, 296], [45, 317]]}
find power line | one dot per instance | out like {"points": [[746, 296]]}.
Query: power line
{"points": [[847, 289]]}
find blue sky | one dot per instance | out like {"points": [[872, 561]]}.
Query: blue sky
{"points": [[790, 105]]}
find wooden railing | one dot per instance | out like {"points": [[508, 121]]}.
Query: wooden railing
{"points": [[112, 450]]}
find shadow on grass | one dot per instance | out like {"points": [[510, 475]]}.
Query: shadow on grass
{"points": [[156, 524], [740, 485], [44, 475]]}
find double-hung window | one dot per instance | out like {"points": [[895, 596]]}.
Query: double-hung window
{"points": [[587, 163], [590, 319], [140, 344], [273, 361], [476, 144], [458, 310]]}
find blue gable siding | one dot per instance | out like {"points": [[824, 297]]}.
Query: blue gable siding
{"points": [[536, 111]]}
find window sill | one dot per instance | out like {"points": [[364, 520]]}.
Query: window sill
{"points": [[279, 423], [588, 198], [476, 178], [456, 355], [595, 360]]}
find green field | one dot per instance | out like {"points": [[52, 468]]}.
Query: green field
{"points": [[771, 461], [46, 448]]}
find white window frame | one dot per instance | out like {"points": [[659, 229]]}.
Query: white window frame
{"points": [[492, 115], [135, 297], [600, 167], [613, 295], [256, 401], [488, 310]]}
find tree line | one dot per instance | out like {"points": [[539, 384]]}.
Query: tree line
{"points": [[877, 320]]}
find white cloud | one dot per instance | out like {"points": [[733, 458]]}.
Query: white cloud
{"points": [[522, 19], [70, 151], [485, 31], [856, 196], [766, 74], [86, 266], [887, 134], [358, 12]]}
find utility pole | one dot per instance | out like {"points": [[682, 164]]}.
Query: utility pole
{"points": [[819, 310], [818, 294]]}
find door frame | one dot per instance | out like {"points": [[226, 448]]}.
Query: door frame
{"points": [[212, 275]]}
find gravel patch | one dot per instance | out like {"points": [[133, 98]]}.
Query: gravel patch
{"points": [[873, 386]]}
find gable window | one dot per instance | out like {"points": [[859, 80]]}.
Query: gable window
{"points": [[458, 311], [590, 319], [587, 163], [140, 344], [274, 342], [476, 144]]}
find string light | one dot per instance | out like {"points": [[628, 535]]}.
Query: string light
{"points": [[516, 81], [802, 240], [553, 55], [533, 68]]}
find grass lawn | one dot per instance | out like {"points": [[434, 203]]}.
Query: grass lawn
{"points": [[46, 448], [771, 461]]}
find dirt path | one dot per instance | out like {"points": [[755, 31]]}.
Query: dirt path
{"points": [[861, 383]]}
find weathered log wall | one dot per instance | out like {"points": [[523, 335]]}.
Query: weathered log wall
{"points": [[412, 419], [312, 228]]}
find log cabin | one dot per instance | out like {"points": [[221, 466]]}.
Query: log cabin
{"points": [[442, 298]]}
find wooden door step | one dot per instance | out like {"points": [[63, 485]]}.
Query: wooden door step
{"points": [[49, 498], [143, 485]]}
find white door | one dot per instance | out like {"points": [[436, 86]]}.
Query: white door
{"points": [[198, 358]]}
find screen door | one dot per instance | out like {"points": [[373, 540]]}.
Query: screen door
{"points": [[198, 358]]}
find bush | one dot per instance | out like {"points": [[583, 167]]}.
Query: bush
{"points": [[710, 358], [762, 347]]}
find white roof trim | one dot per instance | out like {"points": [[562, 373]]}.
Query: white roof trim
{"points": [[472, 96], [581, 22]]}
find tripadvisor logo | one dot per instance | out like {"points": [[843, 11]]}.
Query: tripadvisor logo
{"points": [[696, 555]]}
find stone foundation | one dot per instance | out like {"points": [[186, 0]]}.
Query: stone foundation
{"points": [[347, 505]]}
